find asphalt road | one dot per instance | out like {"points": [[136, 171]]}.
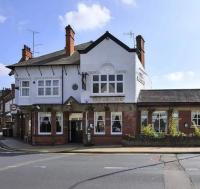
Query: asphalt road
{"points": [[101, 171]]}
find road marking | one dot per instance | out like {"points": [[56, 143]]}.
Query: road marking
{"points": [[31, 162], [115, 167], [42, 166]]}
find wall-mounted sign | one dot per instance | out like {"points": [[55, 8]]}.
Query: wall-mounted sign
{"points": [[13, 108], [140, 78]]}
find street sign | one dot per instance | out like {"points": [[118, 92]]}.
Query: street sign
{"points": [[13, 108]]}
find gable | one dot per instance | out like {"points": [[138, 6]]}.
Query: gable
{"points": [[107, 35]]}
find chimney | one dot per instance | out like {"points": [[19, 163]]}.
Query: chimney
{"points": [[26, 53], [140, 49], [69, 47]]}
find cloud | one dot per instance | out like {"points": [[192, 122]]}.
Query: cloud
{"points": [[87, 17], [179, 76], [3, 70], [129, 2], [2, 19]]}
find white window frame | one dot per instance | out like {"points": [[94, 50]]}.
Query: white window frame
{"points": [[145, 114], [121, 121], [159, 113], [107, 83], [197, 112], [44, 87], [95, 122], [61, 124], [44, 114], [21, 88]]}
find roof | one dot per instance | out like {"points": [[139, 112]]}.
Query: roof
{"points": [[168, 96], [107, 35], [55, 58], [60, 57]]}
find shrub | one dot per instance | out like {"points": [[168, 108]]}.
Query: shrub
{"points": [[149, 131], [173, 130], [196, 129]]}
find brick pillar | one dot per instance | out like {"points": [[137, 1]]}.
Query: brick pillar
{"points": [[138, 118], [150, 116], [185, 117], [108, 123], [169, 118], [91, 119], [53, 123], [66, 125]]}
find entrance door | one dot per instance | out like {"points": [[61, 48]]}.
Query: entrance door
{"points": [[76, 131]]}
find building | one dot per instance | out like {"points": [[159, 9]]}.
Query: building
{"points": [[88, 88], [7, 99]]}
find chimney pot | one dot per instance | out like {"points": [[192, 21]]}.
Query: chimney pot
{"points": [[26, 53], [69, 47], [140, 49]]}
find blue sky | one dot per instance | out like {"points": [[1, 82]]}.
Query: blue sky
{"points": [[171, 29]]}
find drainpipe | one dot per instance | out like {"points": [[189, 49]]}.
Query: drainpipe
{"points": [[62, 85]]}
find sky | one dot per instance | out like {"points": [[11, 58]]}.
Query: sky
{"points": [[171, 29]]}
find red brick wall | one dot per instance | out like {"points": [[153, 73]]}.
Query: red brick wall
{"points": [[185, 117], [49, 140], [129, 125]]}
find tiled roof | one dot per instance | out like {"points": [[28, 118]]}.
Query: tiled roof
{"points": [[169, 96], [55, 58]]}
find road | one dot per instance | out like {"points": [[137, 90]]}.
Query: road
{"points": [[99, 171]]}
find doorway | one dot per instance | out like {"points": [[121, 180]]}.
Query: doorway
{"points": [[75, 128]]}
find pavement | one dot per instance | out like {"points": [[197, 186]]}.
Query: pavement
{"points": [[18, 145], [13, 144]]}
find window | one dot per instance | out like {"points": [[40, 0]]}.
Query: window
{"points": [[196, 118], [144, 119], [108, 84], [59, 123], [99, 123], [159, 121], [25, 88], [48, 87], [116, 123], [44, 120]]}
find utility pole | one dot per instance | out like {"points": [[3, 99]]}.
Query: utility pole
{"points": [[132, 36], [33, 41]]}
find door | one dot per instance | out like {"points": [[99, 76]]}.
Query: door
{"points": [[76, 131]]}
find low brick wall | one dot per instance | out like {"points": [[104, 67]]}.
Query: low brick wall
{"points": [[167, 141], [49, 140]]}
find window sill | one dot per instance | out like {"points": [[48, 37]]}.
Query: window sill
{"points": [[116, 134], [99, 134]]}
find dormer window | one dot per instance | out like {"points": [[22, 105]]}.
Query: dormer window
{"points": [[107, 84]]}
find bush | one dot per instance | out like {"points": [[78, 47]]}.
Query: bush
{"points": [[196, 129], [173, 131], [149, 131]]}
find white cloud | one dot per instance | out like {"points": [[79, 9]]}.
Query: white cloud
{"points": [[3, 70], [2, 19], [87, 17], [179, 76], [129, 2]]}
